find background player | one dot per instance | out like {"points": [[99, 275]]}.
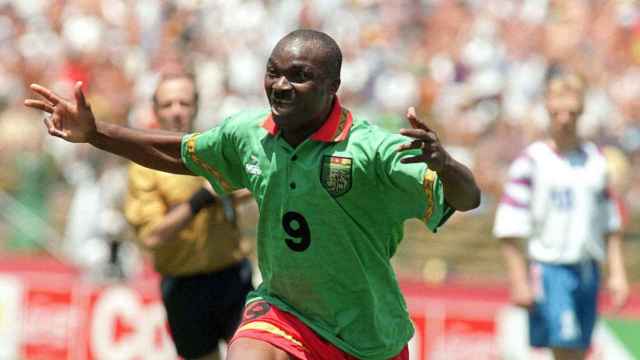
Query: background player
{"points": [[557, 198], [333, 192], [192, 236]]}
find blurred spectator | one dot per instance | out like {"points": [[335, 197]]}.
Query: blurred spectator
{"points": [[95, 224], [476, 68], [26, 180]]}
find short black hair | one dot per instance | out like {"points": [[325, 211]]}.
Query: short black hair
{"points": [[333, 62]]}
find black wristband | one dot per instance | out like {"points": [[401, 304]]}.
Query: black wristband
{"points": [[201, 199]]}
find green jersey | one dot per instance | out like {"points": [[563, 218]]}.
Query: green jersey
{"points": [[331, 216]]}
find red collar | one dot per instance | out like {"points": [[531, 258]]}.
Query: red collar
{"points": [[335, 128]]}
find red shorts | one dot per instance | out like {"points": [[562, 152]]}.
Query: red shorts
{"points": [[265, 322]]}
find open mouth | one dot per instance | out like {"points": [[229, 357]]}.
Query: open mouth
{"points": [[282, 97], [282, 101]]}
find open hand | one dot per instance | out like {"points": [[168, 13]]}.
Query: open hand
{"points": [[426, 139], [70, 121], [522, 296], [619, 290]]}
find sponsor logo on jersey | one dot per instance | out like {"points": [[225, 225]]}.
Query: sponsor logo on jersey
{"points": [[253, 167]]}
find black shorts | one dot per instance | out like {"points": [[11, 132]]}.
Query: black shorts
{"points": [[204, 308]]}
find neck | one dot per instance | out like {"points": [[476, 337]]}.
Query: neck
{"points": [[563, 145], [295, 138]]}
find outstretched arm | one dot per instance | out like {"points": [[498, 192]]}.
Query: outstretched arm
{"points": [[75, 122], [460, 189]]}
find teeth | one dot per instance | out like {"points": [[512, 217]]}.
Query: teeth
{"points": [[282, 100]]}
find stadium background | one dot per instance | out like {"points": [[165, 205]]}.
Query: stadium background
{"points": [[474, 69]]}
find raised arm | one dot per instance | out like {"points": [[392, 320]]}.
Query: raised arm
{"points": [[75, 122], [460, 189]]}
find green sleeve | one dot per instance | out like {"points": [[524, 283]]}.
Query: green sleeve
{"points": [[413, 190], [213, 155]]}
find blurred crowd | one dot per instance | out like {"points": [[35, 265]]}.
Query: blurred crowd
{"points": [[475, 70]]}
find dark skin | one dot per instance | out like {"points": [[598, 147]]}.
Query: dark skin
{"points": [[301, 97], [301, 94], [74, 121], [460, 189], [300, 91]]}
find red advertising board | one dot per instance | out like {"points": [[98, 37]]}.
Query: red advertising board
{"points": [[48, 311]]}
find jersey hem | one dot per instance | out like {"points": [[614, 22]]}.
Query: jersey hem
{"points": [[320, 332]]}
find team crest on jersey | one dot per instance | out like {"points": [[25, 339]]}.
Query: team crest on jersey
{"points": [[335, 174]]}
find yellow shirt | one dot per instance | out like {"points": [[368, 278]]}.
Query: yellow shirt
{"points": [[209, 243]]}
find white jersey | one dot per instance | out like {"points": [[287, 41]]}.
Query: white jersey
{"points": [[560, 203]]}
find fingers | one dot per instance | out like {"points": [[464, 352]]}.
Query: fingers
{"points": [[419, 134], [39, 105], [413, 159], [414, 121], [79, 95], [619, 299], [46, 93], [427, 141], [416, 144], [242, 194], [434, 160], [525, 306], [619, 292], [48, 123]]}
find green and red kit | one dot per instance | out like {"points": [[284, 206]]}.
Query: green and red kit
{"points": [[332, 212]]}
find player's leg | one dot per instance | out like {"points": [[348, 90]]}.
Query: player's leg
{"points": [[569, 354], [585, 299], [214, 355], [552, 318], [237, 286], [538, 314], [225, 292], [573, 310], [188, 307], [266, 333], [247, 348], [269, 333]]}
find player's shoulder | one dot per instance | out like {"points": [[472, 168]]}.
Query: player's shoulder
{"points": [[246, 120], [140, 177], [536, 152], [527, 159], [365, 133], [592, 150], [595, 156], [134, 169], [243, 124]]}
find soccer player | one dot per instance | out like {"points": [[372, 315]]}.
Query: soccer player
{"points": [[557, 197], [333, 193], [192, 236]]}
